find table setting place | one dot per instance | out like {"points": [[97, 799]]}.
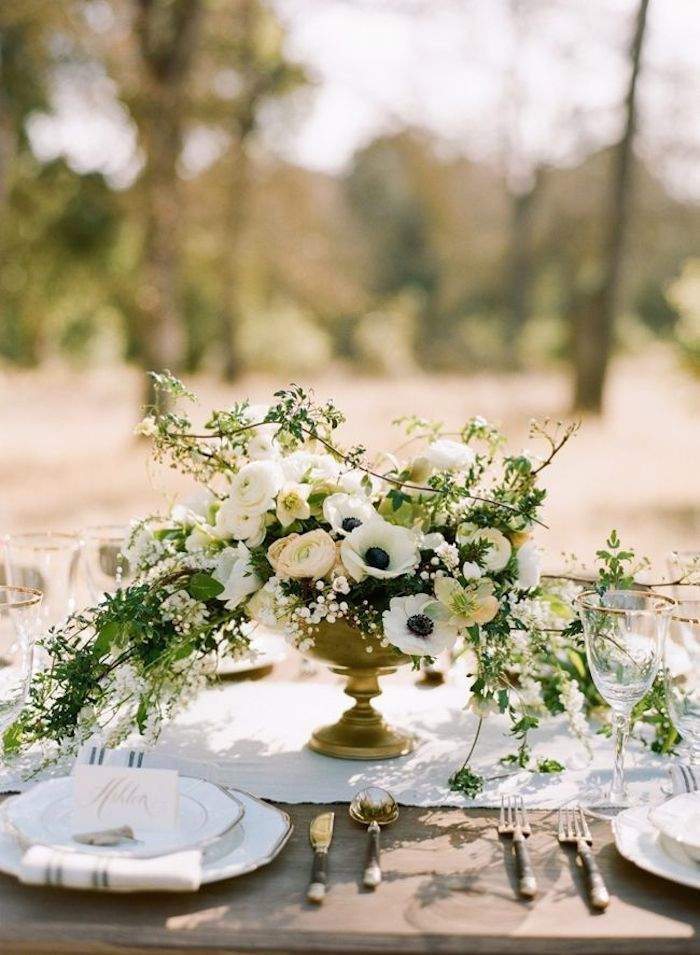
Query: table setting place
{"points": [[166, 686]]}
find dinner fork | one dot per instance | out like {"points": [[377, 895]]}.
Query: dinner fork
{"points": [[514, 822], [573, 830]]}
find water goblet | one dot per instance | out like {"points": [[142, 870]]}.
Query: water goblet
{"points": [[105, 566], [624, 633], [46, 562], [20, 620], [682, 676]]}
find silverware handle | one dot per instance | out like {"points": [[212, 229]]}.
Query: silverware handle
{"points": [[373, 871], [319, 877], [527, 883], [595, 884]]}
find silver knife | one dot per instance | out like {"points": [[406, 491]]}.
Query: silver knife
{"points": [[320, 835]]}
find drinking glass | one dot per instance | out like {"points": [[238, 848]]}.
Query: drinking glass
{"points": [[682, 675], [105, 567], [20, 620], [624, 632]]}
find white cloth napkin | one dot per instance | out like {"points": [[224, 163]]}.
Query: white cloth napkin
{"points": [[684, 778], [177, 872], [94, 753]]}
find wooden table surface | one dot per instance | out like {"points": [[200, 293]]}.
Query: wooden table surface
{"points": [[448, 887]]}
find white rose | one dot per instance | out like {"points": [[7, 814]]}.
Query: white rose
{"points": [[241, 525], [254, 488], [235, 571], [447, 455], [303, 555], [528, 558]]}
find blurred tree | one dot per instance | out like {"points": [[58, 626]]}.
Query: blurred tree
{"points": [[593, 314]]}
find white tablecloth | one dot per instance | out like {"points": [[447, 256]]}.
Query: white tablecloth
{"points": [[257, 731]]}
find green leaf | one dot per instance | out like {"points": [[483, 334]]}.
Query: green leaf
{"points": [[549, 766], [108, 635], [204, 587], [12, 738], [577, 663]]}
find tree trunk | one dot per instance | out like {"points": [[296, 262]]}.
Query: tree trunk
{"points": [[167, 33], [236, 220], [521, 268], [593, 317]]}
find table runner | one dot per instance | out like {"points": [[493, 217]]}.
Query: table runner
{"points": [[256, 732]]}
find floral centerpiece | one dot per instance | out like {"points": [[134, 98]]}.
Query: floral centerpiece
{"points": [[408, 554]]}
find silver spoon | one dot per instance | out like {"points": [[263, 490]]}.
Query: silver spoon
{"points": [[373, 807]]}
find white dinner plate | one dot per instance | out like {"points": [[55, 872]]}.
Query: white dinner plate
{"points": [[267, 649], [679, 821], [42, 816], [254, 842], [639, 841]]}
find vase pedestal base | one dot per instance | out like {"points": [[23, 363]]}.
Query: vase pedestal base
{"points": [[361, 732]]}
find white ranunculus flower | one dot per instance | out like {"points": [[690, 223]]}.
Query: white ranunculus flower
{"points": [[262, 444], [447, 455], [194, 509], [345, 512], [254, 488], [309, 467], [358, 483], [303, 555], [418, 625], [499, 551], [240, 525], [235, 571], [261, 606], [293, 503], [379, 549], [528, 558]]}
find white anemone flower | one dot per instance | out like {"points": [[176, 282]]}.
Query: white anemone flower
{"points": [[418, 625], [499, 551], [346, 512], [379, 549], [447, 455], [235, 571], [254, 487], [293, 503], [309, 467], [528, 558]]}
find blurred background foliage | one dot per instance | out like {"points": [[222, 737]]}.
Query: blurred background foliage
{"points": [[201, 244]]}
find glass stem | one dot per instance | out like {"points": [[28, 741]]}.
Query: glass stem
{"points": [[695, 755], [621, 725]]}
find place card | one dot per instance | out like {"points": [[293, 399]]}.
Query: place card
{"points": [[106, 797]]}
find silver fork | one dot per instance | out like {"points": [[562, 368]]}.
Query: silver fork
{"points": [[513, 821], [573, 830]]}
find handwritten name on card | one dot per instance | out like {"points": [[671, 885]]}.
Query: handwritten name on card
{"points": [[106, 796]]}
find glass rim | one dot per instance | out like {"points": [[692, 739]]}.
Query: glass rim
{"points": [[584, 600], [681, 615], [28, 597], [61, 540]]}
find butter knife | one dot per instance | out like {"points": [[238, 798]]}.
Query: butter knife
{"points": [[320, 835]]}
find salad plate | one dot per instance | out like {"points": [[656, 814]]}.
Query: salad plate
{"points": [[640, 842]]}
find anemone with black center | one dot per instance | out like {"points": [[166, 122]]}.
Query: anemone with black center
{"points": [[350, 523], [378, 558], [420, 624]]}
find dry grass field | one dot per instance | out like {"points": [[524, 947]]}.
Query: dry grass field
{"points": [[69, 458]]}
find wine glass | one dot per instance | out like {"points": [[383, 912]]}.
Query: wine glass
{"points": [[682, 675], [46, 562], [20, 620], [105, 566], [624, 632]]}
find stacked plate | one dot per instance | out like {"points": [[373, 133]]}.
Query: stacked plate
{"points": [[663, 839], [235, 832]]}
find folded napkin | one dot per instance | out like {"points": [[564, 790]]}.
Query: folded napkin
{"points": [[95, 754], [177, 872], [684, 778]]}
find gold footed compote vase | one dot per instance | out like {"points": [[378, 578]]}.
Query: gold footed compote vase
{"points": [[361, 732]]}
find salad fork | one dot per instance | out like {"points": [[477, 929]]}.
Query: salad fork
{"points": [[573, 830], [514, 822]]}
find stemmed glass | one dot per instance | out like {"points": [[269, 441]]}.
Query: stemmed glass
{"points": [[624, 632], [46, 562], [105, 566], [682, 675], [20, 619]]}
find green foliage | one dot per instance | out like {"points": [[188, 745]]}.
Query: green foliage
{"points": [[467, 782]]}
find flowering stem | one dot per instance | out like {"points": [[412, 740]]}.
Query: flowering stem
{"points": [[475, 741]]}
